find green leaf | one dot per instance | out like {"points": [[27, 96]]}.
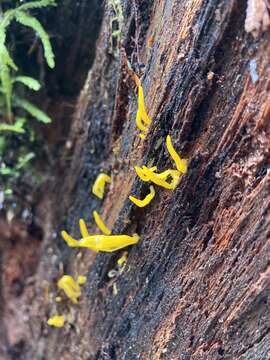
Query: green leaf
{"points": [[23, 160], [28, 81], [20, 121], [12, 128], [17, 127], [10, 14], [32, 110], [6, 58], [6, 86], [7, 171], [37, 4], [33, 23], [8, 191]]}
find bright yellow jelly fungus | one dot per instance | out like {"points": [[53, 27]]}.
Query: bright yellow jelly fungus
{"points": [[99, 185], [146, 200], [104, 243], [83, 228], [102, 227], [141, 107], [142, 119], [81, 280], [57, 321], [70, 287], [159, 179], [69, 239], [181, 164], [123, 259]]}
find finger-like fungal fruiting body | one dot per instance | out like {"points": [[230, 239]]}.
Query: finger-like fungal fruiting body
{"points": [[181, 164], [102, 227], [142, 203], [56, 321], [159, 179], [99, 185], [142, 119], [83, 228], [69, 239], [81, 280], [141, 107], [104, 243], [108, 243], [70, 288], [122, 260]]}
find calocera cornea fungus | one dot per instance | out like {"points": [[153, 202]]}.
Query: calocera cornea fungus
{"points": [[99, 185], [142, 119], [123, 259], [159, 179], [181, 164], [83, 228], [56, 321], [70, 288], [102, 227], [142, 203], [81, 280], [103, 243]]}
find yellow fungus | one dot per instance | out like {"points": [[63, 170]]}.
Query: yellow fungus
{"points": [[174, 174], [149, 175], [83, 228], [103, 228], [122, 260], [141, 106], [99, 185], [58, 299], [57, 321], [140, 172], [70, 287], [81, 280], [142, 136], [139, 122], [146, 200], [142, 119], [105, 243], [108, 243], [181, 164], [69, 239]]}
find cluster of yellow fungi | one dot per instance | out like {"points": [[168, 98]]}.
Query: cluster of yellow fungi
{"points": [[106, 242], [72, 290]]}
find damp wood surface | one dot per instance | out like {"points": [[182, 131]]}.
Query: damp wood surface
{"points": [[197, 284]]}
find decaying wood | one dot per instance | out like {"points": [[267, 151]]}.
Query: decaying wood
{"points": [[197, 285]]}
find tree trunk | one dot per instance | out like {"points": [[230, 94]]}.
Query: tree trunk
{"points": [[196, 286]]}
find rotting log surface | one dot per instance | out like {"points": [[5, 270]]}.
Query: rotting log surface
{"points": [[197, 285]]}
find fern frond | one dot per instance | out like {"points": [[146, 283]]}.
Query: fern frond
{"points": [[10, 14], [30, 21], [24, 159], [28, 81], [6, 87], [6, 58], [12, 128], [32, 110], [36, 5]]}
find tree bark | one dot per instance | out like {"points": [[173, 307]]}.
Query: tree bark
{"points": [[197, 284]]}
